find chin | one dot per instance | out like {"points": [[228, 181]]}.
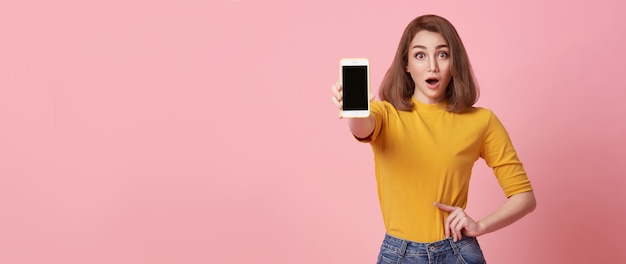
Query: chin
{"points": [[435, 96]]}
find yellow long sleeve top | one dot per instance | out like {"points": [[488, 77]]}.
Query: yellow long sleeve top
{"points": [[426, 155]]}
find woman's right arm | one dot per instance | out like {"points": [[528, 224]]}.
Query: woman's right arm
{"points": [[360, 127]]}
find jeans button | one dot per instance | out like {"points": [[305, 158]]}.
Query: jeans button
{"points": [[431, 248]]}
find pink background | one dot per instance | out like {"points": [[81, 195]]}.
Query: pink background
{"points": [[203, 132]]}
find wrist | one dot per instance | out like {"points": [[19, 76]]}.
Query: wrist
{"points": [[481, 228]]}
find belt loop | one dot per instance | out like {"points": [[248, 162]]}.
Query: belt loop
{"points": [[454, 246], [405, 244]]}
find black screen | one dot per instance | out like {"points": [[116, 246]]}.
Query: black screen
{"points": [[355, 88]]}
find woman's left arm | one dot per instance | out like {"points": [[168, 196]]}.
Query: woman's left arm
{"points": [[515, 207], [498, 152], [459, 223]]}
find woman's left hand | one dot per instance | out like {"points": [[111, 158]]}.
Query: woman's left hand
{"points": [[458, 223]]}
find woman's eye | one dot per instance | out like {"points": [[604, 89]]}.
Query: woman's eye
{"points": [[420, 56], [443, 54]]}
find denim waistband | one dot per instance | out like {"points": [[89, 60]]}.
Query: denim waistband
{"points": [[407, 247]]}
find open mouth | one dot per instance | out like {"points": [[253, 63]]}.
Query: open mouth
{"points": [[432, 81]]}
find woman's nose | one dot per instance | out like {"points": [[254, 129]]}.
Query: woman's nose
{"points": [[432, 65]]}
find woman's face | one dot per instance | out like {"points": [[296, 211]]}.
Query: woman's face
{"points": [[429, 65]]}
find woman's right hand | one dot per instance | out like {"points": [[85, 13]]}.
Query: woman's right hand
{"points": [[360, 127], [337, 97]]}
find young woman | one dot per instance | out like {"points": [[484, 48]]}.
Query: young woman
{"points": [[426, 136]]}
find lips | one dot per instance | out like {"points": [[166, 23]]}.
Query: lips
{"points": [[432, 82]]}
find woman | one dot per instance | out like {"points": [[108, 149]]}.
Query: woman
{"points": [[426, 136]]}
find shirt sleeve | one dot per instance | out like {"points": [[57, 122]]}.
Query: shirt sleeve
{"points": [[499, 154], [378, 111]]}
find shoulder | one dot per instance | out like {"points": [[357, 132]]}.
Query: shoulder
{"points": [[479, 117], [382, 103], [478, 113], [482, 111], [382, 106], [488, 119]]}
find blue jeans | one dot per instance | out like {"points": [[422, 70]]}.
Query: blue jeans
{"points": [[398, 251]]}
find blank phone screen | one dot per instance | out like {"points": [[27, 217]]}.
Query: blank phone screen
{"points": [[355, 88]]}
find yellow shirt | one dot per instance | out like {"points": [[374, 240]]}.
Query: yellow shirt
{"points": [[426, 155]]}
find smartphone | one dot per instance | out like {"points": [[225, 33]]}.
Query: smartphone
{"points": [[355, 79]]}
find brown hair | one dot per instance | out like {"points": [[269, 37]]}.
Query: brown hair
{"points": [[398, 87]]}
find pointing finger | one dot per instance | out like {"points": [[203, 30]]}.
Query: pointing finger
{"points": [[445, 207]]}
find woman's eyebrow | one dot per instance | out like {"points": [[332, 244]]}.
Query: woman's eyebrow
{"points": [[423, 47]]}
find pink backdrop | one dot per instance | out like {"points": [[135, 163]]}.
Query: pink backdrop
{"points": [[195, 132]]}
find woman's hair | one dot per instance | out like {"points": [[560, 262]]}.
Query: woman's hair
{"points": [[398, 87]]}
